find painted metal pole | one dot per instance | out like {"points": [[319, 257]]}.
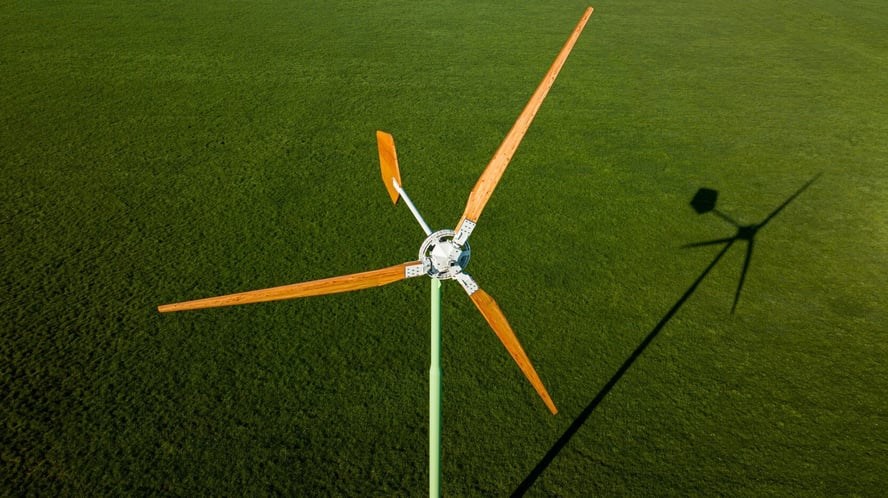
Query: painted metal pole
{"points": [[435, 395]]}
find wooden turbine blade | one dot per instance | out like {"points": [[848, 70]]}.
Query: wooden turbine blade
{"points": [[497, 166], [497, 320], [388, 162], [344, 283]]}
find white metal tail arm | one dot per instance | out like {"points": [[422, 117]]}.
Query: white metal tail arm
{"points": [[422, 223]]}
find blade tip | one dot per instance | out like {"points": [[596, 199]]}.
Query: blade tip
{"points": [[550, 404]]}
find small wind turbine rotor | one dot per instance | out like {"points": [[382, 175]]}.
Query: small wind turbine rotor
{"points": [[443, 255], [444, 258]]}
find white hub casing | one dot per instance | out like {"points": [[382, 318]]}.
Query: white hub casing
{"points": [[442, 257]]}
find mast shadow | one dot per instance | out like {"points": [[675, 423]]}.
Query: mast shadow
{"points": [[703, 202]]}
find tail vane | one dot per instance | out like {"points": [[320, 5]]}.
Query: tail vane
{"points": [[388, 162]]}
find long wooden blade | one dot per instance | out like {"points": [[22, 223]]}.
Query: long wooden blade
{"points": [[497, 166], [388, 163], [356, 281], [497, 320]]}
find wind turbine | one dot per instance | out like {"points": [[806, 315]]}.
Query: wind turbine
{"points": [[443, 255]]}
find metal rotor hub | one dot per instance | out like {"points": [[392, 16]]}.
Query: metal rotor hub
{"points": [[442, 257]]}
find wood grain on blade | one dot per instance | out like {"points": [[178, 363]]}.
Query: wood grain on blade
{"points": [[497, 320], [497, 166], [344, 283]]}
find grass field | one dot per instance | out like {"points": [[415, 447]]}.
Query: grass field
{"points": [[154, 152]]}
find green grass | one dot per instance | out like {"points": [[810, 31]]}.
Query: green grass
{"points": [[163, 151]]}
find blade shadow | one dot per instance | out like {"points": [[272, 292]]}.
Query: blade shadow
{"points": [[790, 199], [746, 260], [710, 242], [746, 233]]}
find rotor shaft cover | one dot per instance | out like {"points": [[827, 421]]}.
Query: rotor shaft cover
{"points": [[444, 258]]}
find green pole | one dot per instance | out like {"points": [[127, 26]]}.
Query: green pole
{"points": [[435, 395]]}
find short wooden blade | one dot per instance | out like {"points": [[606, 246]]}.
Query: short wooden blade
{"points": [[344, 283], [388, 162], [497, 320], [497, 166]]}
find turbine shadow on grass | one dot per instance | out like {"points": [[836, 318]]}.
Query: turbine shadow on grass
{"points": [[703, 202]]}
